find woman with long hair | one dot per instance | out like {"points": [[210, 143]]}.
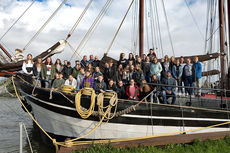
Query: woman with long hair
{"points": [[27, 66], [58, 66], [37, 68], [122, 60], [48, 72]]}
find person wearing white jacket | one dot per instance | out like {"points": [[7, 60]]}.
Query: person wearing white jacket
{"points": [[156, 68], [27, 66], [71, 82]]}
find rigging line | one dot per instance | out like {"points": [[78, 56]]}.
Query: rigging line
{"points": [[71, 47], [194, 20], [79, 19], [93, 26], [44, 25], [207, 25], [137, 28], [213, 33], [153, 32], [213, 19], [146, 24], [119, 27], [33, 1], [158, 26], [133, 25], [4, 45], [167, 24]]}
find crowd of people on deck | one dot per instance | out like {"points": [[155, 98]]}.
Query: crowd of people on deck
{"points": [[132, 78]]}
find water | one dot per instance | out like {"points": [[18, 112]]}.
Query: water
{"points": [[11, 114]]}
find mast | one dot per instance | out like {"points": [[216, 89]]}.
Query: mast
{"points": [[141, 27], [222, 52], [5, 51], [228, 3]]}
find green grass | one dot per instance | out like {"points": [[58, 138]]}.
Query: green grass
{"points": [[198, 146]]}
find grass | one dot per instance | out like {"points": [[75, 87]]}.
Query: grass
{"points": [[198, 146]]}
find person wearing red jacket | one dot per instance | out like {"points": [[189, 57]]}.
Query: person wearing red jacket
{"points": [[132, 91]]}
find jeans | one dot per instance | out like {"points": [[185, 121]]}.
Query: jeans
{"points": [[48, 81], [165, 95], [188, 82], [179, 83]]}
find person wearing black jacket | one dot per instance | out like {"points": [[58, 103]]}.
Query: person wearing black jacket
{"points": [[112, 86], [122, 61], [155, 88], [67, 70], [120, 90], [146, 69], [138, 74], [96, 62]]}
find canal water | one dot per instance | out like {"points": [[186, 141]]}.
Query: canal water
{"points": [[11, 114]]}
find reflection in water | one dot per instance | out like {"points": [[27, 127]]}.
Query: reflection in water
{"points": [[11, 114]]}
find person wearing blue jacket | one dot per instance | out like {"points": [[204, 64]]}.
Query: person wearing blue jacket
{"points": [[177, 71], [198, 76]]}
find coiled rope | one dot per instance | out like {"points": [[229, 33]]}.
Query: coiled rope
{"points": [[85, 113]]}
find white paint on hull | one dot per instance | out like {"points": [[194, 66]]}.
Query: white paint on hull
{"points": [[74, 127]]}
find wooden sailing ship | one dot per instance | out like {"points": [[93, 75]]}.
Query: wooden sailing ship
{"points": [[56, 111]]}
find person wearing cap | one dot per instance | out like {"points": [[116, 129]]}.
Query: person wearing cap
{"points": [[87, 81], [169, 90]]}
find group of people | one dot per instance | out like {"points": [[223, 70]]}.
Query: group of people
{"points": [[132, 78]]}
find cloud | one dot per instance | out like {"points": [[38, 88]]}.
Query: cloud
{"points": [[186, 37]]}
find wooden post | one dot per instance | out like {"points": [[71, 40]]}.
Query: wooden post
{"points": [[222, 52], [141, 27]]}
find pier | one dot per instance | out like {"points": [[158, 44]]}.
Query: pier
{"points": [[156, 141]]}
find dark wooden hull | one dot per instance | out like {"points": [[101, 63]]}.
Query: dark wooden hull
{"points": [[163, 118]]}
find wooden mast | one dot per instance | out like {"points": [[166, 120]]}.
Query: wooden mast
{"points": [[141, 27], [222, 52], [5, 51], [228, 3]]}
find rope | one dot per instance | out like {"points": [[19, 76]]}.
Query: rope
{"points": [[153, 31], [158, 104], [194, 20], [5, 86], [146, 24], [44, 25], [112, 102], [167, 24], [148, 137], [89, 92], [33, 1], [93, 27], [71, 47], [70, 143], [28, 139], [158, 26], [110, 45], [79, 19]]}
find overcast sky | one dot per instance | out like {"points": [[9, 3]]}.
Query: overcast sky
{"points": [[185, 36]]}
